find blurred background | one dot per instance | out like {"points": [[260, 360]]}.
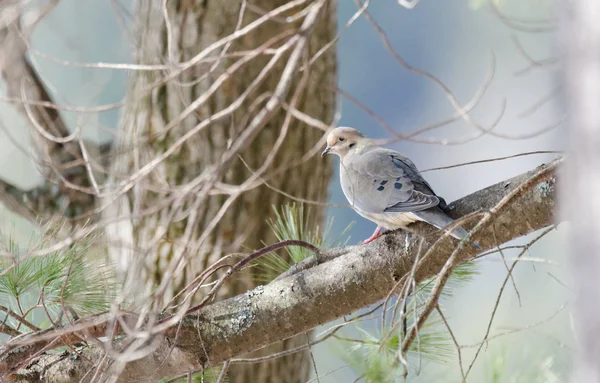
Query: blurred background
{"points": [[459, 42]]}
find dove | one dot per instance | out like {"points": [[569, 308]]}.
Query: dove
{"points": [[384, 186]]}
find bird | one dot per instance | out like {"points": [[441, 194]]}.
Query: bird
{"points": [[384, 186]]}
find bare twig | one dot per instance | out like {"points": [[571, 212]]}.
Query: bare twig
{"points": [[452, 261]]}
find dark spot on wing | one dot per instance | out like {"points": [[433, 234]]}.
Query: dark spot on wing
{"points": [[380, 188], [397, 162], [383, 182], [398, 185]]}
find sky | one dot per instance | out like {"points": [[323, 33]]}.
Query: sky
{"points": [[452, 40], [458, 44]]}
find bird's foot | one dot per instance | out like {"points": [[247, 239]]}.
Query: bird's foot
{"points": [[376, 234]]}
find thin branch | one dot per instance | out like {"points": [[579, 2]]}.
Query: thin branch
{"points": [[546, 172], [223, 373], [500, 293], [246, 260], [6, 329], [19, 318], [493, 159], [458, 348]]}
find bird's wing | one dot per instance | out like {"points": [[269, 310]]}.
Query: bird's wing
{"points": [[387, 181]]}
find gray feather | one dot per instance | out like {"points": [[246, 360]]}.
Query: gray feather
{"points": [[436, 217], [378, 179]]}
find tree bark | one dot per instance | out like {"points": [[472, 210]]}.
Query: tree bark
{"points": [[152, 123]]}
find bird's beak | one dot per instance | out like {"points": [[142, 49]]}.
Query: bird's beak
{"points": [[326, 151]]}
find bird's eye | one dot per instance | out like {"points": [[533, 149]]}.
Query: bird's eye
{"points": [[340, 139]]}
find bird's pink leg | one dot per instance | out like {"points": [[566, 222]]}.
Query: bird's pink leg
{"points": [[376, 234]]}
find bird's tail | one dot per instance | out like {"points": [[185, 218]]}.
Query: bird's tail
{"points": [[436, 217]]}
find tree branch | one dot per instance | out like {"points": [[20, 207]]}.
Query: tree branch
{"points": [[23, 82], [346, 280], [38, 204], [12, 197], [58, 152]]}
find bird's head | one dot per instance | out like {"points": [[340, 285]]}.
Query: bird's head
{"points": [[344, 140]]}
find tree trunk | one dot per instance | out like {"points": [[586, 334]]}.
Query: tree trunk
{"points": [[580, 40], [153, 241]]}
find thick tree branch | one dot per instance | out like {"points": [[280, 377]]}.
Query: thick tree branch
{"points": [[12, 197], [23, 82], [351, 278], [57, 151], [38, 205]]}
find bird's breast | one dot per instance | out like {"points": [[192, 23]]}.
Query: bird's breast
{"points": [[362, 193]]}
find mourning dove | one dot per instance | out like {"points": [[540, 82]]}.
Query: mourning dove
{"points": [[384, 186]]}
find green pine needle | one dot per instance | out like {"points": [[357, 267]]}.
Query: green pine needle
{"points": [[43, 288], [292, 223], [541, 365], [460, 276], [378, 362], [210, 375], [375, 356]]}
